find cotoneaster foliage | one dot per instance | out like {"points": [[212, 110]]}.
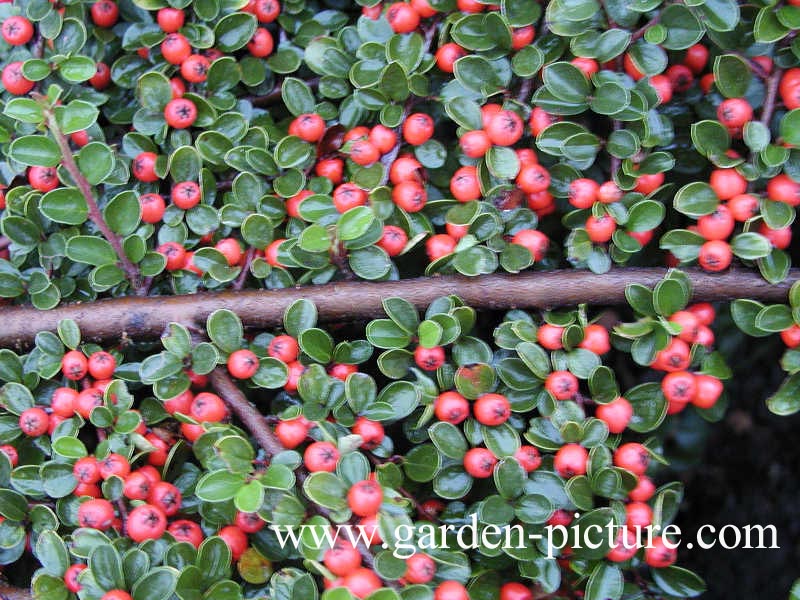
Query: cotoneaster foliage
{"points": [[160, 148]]}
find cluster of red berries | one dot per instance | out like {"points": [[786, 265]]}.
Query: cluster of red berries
{"points": [[681, 386]]}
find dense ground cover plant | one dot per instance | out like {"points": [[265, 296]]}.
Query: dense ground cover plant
{"points": [[135, 482], [153, 148]]}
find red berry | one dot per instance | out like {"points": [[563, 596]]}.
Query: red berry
{"points": [[144, 167], [410, 196], [371, 432], [361, 582], [74, 365], [71, 578], [515, 591], [616, 414], [402, 17], [104, 13], [261, 45], [236, 540], [170, 19], [365, 498], [563, 385], [429, 359], [595, 339], [709, 389], [176, 48], [451, 590], [146, 522], [393, 240], [570, 460], [658, 555], [479, 462], [17, 30], [97, 513], [439, 245], [447, 55], [101, 365], [208, 407], [492, 409], [243, 364], [153, 207], [180, 113], [321, 456], [420, 568], [505, 128], [715, 256], [453, 407], [184, 530], [267, 10], [342, 559], [417, 128], [633, 457], [528, 457], [34, 422], [284, 348]]}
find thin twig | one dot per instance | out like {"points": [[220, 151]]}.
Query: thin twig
{"points": [[85, 188], [248, 414], [773, 82], [242, 278]]}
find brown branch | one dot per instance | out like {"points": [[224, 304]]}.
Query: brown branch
{"points": [[242, 278], [248, 414], [85, 188], [772, 92], [146, 318], [257, 425]]}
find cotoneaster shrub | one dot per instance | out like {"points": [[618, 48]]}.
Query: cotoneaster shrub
{"points": [[153, 148]]}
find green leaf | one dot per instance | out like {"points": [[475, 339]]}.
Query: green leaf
{"points": [[52, 553], [682, 27], [218, 486], [605, 583], [669, 296], [696, 199], [790, 127], [64, 205], [157, 584], [679, 582], [77, 115], [90, 250], [326, 489], [403, 313], [106, 565], [35, 151], [225, 330], [96, 162], [317, 344], [502, 162], [355, 222], [566, 81], [299, 316], [750, 246], [234, 31], [465, 112], [297, 96], [786, 400], [731, 75], [25, 110], [448, 439]]}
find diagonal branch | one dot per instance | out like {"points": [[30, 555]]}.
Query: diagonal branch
{"points": [[85, 188]]}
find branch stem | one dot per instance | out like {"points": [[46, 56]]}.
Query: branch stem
{"points": [[85, 188], [351, 301]]}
